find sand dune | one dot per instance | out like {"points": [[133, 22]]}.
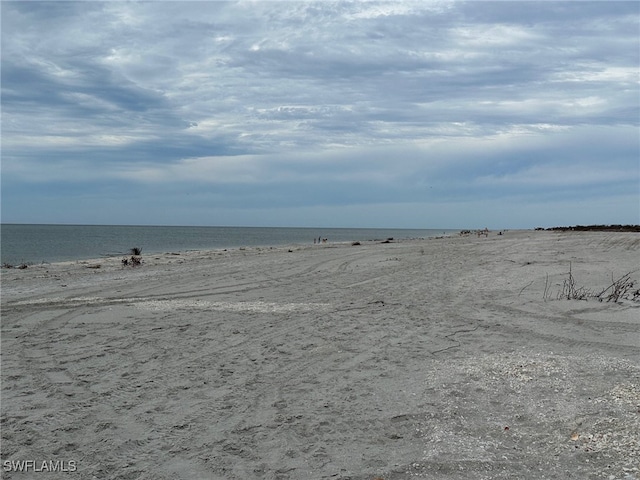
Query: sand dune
{"points": [[437, 358]]}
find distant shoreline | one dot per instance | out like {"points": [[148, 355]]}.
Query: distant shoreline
{"points": [[596, 228], [30, 244]]}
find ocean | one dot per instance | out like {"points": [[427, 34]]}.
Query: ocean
{"points": [[33, 244]]}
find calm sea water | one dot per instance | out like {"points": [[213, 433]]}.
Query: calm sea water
{"points": [[56, 243]]}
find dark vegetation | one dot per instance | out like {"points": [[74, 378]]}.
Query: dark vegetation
{"points": [[595, 228], [135, 260], [622, 288]]}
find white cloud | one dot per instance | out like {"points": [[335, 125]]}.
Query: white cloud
{"points": [[494, 36], [599, 73]]}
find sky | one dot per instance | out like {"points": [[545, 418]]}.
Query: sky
{"points": [[428, 114]]}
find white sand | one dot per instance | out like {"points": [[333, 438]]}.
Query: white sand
{"points": [[434, 358]]}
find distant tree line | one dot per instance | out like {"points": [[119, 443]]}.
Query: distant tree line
{"points": [[596, 228]]}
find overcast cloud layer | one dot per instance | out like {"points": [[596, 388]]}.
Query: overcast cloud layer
{"points": [[385, 114]]}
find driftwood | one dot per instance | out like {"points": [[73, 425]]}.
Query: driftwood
{"points": [[623, 288]]}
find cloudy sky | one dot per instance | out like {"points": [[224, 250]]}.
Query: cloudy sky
{"points": [[429, 114]]}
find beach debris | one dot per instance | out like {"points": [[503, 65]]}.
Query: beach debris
{"points": [[479, 233], [571, 292], [22, 266], [135, 259], [623, 288]]}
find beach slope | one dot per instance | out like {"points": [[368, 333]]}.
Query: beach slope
{"points": [[443, 358]]}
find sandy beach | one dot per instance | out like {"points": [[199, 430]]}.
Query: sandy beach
{"points": [[442, 358]]}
